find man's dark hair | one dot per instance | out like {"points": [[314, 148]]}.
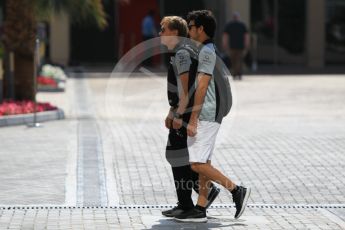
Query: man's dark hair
{"points": [[204, 18]]}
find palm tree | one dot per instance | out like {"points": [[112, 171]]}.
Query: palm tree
{"points": [[20, 32]]}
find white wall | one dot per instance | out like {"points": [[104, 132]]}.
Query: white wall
{"points": [[60, 39]]}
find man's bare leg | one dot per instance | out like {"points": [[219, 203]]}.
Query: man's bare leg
{"points": [[213, 174], [204, 187]]}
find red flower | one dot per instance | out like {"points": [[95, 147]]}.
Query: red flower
{"points": [[42, 80], [11, 107]]}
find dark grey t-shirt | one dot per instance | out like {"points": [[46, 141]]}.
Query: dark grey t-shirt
{"points": [[236, 31], [182, 62]]}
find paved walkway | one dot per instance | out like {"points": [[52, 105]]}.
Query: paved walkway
{"points": [[104, 166]]}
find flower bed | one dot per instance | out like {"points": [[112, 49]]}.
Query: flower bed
{"points": [[52, 78], [46, 81], [23, 107]]}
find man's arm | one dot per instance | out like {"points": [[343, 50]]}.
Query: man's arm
{"points": [[183, 93], [201, 90], [183, 62], [183, 102], [170, 117]]}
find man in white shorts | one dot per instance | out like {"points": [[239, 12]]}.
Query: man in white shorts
{"points": [[205, 121]]}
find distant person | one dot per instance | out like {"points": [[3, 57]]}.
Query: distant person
{"points": [[236, 43], [148, 28]]}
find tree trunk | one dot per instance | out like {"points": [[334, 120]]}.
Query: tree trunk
{"points": [[19, 37], [24, 77]]}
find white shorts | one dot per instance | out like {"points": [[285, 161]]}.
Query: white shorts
{"points": [[201, 146]]}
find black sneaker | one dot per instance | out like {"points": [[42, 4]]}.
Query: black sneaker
{"points": [[240, 199], [194, 215], [173, 212], [212, 195]]}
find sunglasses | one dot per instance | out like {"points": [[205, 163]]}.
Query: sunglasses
{"points": [[191, 26], [162, 30]]}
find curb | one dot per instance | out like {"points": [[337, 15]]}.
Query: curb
{"points": [[24, 119], [48, 90]]}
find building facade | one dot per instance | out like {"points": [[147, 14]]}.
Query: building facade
{"points": [[307, 33]]}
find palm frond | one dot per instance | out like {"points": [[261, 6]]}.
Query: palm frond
{"points": [[79, 11]]}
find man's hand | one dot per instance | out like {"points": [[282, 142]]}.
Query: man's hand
{"points": [[169, 119], [168, 122], [192, 128], [177, 123]]}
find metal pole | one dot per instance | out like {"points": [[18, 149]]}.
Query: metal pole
{"points": [[36, 64], [36, 68]]}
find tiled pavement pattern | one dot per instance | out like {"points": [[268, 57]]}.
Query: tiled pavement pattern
{"points": [[107, 218], [33, 163], [285, 139], [295, 156]]}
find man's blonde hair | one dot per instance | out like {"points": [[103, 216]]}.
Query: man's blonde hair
{"points": [[176, 23]]}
